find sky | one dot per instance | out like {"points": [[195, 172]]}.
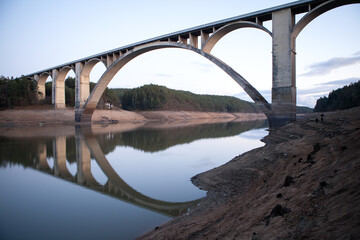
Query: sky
{"points": [[39, 34]]}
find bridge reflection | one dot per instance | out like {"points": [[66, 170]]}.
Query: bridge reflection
{"points": [[116, 187], [79, 145]]}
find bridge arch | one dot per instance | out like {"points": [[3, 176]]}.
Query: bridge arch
{"points": [[89, 65], [41, 84], [85, 114], [221, 32], [83, 81], [317, 11], [58, 87]]}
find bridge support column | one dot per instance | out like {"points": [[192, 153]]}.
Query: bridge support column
{"points": [[58, 91], [42, 161], [82, 86], [283, 84], [41, 88], [59, 149], [83, 175]]}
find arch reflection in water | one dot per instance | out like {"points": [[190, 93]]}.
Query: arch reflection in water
{"points": [[120, 189], [86, 142], [44, 148]]}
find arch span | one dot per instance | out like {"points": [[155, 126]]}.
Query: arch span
{"points": [[314, 13], [220, 33], [89, 65], [85, 114], [82, 83], [58, 87], [41, 84]]}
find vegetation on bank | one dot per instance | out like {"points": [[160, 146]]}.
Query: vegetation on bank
{"points": [[340, 99], [17, 92], [23, 92], [153, 97]]}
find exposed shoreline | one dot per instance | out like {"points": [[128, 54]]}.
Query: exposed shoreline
{"points": [[303, 184], [51, 117]]}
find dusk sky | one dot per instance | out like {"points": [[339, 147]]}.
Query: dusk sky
{"points": [[39, 34]]}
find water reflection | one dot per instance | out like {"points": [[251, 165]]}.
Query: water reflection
{"points": [[154, 137], [80, 147], [86, 142]]}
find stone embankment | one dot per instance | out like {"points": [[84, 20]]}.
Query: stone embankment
{"points": [[303, 184]]}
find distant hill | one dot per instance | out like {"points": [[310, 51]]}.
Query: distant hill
{"points": [[340, 99], [154, 97], [302, 109]]}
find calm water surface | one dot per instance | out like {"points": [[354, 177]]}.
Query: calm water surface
{"points": [[76, 183]]}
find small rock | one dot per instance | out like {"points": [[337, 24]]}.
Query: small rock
{"points": [[288, 181], [279, 195], [278, 210]]}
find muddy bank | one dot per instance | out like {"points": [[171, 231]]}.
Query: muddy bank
{"points": [[66, 116], [303, 184]]}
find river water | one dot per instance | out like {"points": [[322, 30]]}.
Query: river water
{"points": [[109, 182]]}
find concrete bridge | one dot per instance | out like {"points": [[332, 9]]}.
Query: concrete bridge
{"points": [[116, 187], [201, 40]]}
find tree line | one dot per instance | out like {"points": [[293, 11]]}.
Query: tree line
{"points": [[340, 99], [154, 97], [23, 91], [17, 92]]}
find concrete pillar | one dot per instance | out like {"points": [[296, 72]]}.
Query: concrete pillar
{"points": [[58, 90], [109, 61], [59, 149], [82, 86], [83, 161], [204, 37], [42, 161], [115, 56], [41, 88], [193, 40], [182, 40], [284, 86]]}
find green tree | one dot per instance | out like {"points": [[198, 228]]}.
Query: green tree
{"points": [[340, 99]]}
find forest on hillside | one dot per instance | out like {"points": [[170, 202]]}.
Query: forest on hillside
{"points": [[340, 99], [23, 92], [154, 97]]}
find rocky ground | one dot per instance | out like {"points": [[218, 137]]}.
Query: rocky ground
{"points": [[303, 184]]}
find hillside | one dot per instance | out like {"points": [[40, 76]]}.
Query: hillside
{"points": [[153, 97], [340, 99]]}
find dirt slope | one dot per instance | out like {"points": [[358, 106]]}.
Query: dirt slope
{"points": [[303, 184]]}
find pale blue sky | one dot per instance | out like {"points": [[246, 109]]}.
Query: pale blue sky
{"points": [[38, 34]]}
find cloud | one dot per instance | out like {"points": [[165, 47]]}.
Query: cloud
{"points": [[308, 97], [167, 76], [204, 67], [342, 82], [326, 67]]}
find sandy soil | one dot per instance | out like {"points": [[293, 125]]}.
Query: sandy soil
{"points": [[303, 184]]}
